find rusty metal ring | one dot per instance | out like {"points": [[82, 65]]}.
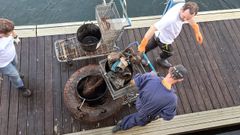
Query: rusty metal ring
{"points": [[88, 113]]}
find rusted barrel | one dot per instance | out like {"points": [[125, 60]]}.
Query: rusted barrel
{"points": [[96, 107], [89, 36]]}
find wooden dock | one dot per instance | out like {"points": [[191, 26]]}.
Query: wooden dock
{"points": [[213, 80]]}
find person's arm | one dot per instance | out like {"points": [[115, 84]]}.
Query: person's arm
{"points": [[132, 82], [14, 34], [146, 38], [139, 79], [196, 30], [15, 37], [161, 24]]}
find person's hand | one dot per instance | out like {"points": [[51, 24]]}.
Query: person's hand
{"points": [[197, 32], [16, 40], [199, 38], [14, 34], [142, 46], [132, 83]]}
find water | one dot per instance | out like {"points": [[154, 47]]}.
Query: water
{"points": [[31, 12]]}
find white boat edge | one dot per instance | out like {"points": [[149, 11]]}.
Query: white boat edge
{"points": [[137, 22]]}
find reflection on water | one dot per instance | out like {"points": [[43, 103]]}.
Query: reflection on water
{"points": [[25, 12]]}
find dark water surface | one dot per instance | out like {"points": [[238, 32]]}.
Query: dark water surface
{"points": [[31, 12]]}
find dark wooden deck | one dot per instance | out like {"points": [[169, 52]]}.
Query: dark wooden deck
{"points": [[213, 80]]}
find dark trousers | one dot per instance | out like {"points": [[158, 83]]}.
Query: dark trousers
{"points": [[167, 49], [134, 119]]}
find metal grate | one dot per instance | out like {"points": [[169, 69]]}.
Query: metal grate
{"points": [[110, 22], [69, 50], [127, 91], [111, 26]]}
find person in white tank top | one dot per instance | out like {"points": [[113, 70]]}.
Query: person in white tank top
{"points": [[8, 58], [163, 32]]}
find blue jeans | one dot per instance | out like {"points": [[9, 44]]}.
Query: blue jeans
{"points": [[11, 71]]}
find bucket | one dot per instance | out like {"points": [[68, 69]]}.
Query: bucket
{"points": [[89, 36]]}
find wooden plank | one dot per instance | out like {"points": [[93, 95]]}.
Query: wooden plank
{"points": [[75, 124], [205, 120], [233, 32], [235, 50], [236, 27], [13, 111], [57, 92], [40, 87], [195, 81], [198, 68], [203, 65], [190, 86], [225, 55], [183, 101], [66, 118], [234, 59], [22, 112], [48, 80], [5, 106], [137, 35], [214, 65], [32, 101], [184, 87]]}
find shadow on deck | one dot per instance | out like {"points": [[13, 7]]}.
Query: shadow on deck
{"points": [[213, 81]]}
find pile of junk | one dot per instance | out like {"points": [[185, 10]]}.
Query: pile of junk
{"points": [[96, 92]]}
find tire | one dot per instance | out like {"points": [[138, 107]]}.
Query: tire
{"points": [[88, 113]]}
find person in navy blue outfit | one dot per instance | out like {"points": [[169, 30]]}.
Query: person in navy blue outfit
{"points": [[156, 98]]}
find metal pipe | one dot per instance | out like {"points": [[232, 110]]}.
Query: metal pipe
{"points": [[104, 2], [144, 55]]}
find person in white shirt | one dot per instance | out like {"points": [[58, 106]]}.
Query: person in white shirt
{"points": [[163, 32], [8, 56]]}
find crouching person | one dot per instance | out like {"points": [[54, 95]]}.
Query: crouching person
{"points": [[8, 58], [156, 98]]}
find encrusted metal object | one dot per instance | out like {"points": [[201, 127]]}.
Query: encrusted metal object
{"points": [[118, 85], [110, 22], [70, 50], [85, 108]]}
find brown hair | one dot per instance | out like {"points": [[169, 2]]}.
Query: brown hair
{"points": [[192, 6], [6, 25]]}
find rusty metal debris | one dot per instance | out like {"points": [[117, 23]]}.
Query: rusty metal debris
{"points": [[91, 85], [104, 23], [85, 110]]}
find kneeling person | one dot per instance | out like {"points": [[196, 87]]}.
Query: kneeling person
{"points": [[157, 98]]}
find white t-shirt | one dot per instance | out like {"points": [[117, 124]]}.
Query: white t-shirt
{"points": [[170, 25], [7, 51]]}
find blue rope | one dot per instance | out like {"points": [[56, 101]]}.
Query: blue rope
{"points": [[144, 56], [170, 4]]}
